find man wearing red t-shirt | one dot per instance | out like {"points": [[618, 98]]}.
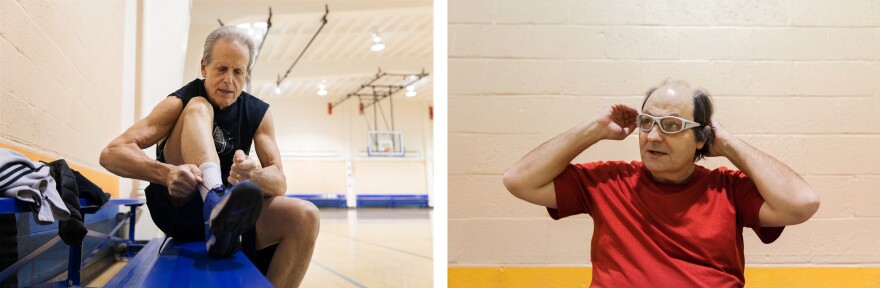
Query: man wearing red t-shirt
{"points": [[665, 221]]}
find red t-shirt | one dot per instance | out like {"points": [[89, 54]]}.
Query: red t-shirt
{"points": [[651, 234]]}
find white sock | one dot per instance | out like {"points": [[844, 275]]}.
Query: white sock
{"points": [[211, 178]]}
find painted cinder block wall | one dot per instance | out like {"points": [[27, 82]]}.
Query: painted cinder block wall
{"points": [[61, 80], [799, 80]]}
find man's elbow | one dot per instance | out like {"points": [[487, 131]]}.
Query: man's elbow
{"points": [[282, 188], [811, 205], [105, 157], [510, 182], [808, 207]]}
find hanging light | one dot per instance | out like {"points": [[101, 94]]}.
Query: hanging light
{"points": [[322, 88], [377, 43], [277, 90], [410, 91]]}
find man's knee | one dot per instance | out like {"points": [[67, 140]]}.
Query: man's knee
{"points": [[306, 216], [198, 106]]}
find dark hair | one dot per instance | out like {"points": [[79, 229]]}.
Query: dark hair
{"points": [[702, 114]]}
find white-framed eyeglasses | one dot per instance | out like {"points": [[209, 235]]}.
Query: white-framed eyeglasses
{"points": [[668, 124]]}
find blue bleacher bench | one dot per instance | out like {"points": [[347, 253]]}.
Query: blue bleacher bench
{"points": [[322, 200], [186, 264], [75, 261], [393, 201], [180, 264]]}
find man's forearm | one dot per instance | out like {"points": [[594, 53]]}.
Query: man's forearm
{"points": [[546, 162], [127, 160], [272, 180], [783, 189]]}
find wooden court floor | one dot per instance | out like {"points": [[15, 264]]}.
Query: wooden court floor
{"points": [[367, 247], [373, 247]]}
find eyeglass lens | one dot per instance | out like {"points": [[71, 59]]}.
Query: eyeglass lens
{"points": [[668, 125]]}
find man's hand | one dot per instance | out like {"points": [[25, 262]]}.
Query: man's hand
{"points": [[183, 180], [617, 121], [721, 141], [243, 168]]}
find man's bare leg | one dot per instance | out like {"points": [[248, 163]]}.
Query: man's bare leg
{"points": [[294, 225], [195, 128]]}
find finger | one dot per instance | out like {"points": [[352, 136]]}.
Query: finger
{"points": [[197, 173], [190, 181], [239, 156], [177, 193], [238, 173], [232, 180], [247, 165]]}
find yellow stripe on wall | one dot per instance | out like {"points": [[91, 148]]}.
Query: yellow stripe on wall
{"points": [[108, 182], [581, 276]]}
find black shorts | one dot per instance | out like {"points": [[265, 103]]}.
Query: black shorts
{"points": [[186, 223]]}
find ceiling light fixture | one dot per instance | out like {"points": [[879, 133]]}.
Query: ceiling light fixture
{"points": [[410, 91], [322, 88], [277, 90], [377, 43]]}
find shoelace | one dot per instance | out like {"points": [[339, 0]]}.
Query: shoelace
{"points": [[174, 222]]}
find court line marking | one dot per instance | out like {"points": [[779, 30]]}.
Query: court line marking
{"points": [[352, 281], [383, 246]]}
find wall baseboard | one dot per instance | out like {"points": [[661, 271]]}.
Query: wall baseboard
{"points": [[581, 277]]}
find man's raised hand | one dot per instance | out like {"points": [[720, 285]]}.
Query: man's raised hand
{"points": [[617, 121]]}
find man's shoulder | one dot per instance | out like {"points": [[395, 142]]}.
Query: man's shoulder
{"points": [[193, 88], [253, 100], [611, 169], [721, 170]]}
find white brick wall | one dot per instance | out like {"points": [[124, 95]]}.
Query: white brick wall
{"points": [[796, 79], [61, 76]]}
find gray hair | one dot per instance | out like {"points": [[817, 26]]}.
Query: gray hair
{"points": [[233, 34], [703, 110]]}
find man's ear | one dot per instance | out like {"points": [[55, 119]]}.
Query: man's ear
{"points": [[204, 68], [703, 136]]}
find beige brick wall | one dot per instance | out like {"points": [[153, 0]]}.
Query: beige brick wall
{"points": [[796, 79], [61, 77]]}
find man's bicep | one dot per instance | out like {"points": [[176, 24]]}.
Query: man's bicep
{"points": [[547, 195], [769, 217], [544, 195], [158, 124]]}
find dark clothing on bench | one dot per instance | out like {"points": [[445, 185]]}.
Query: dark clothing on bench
{"points": [[234, 129], [89, 191], [72, 230]]}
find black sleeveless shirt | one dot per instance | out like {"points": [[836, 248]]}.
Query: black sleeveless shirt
{"points": [[234, 127]]}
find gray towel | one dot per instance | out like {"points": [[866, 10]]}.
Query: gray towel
{"points": [[29, 181]]}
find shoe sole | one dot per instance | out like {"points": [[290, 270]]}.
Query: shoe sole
{"points": [[237, 215]]}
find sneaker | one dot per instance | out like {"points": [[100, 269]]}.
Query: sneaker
{"points": [[229, 213]]}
